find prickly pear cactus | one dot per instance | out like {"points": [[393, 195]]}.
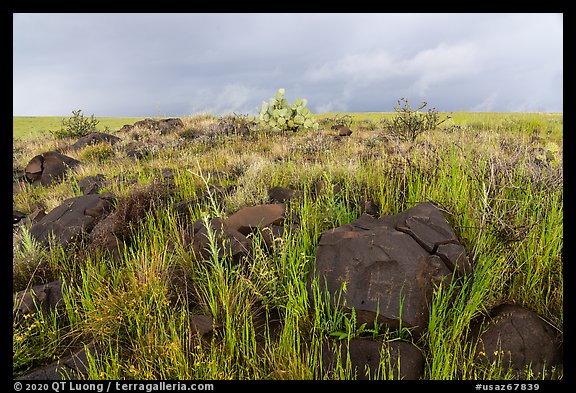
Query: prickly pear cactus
{"points": [[278, 114]]}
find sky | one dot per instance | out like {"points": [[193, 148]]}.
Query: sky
{"points": [[138, 65]]}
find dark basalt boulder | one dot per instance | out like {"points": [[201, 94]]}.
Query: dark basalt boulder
{"points": [[74, 366], [20, 219], [203, 327], [267, 220], [390, 265], [93, 138], [91, 184], [282, 194], [520, 338], [251, 218], [230, 241], [45, 296], [48, 167], [163, 126], [344, 131], [74, 218], [371, 208], [406, 361]]}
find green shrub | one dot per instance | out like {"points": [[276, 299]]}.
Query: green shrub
{"points": [[76, 126], [96, 152], [281, 117], [342, 121], [407, 124]]}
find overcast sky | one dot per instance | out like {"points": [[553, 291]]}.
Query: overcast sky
{"points": [[132, 65]]}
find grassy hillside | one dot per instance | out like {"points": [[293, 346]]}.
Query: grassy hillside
{"points": [[29, 127], [498, 177]]}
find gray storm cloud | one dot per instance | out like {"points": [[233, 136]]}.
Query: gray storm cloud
{"points": [[181, 64]]}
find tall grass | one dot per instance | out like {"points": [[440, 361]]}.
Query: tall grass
{"points": [[505, 207]]}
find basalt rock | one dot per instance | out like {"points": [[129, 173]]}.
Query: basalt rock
{"points": [[520, 338], [344, 131], [406, 361], [390, 265], [93, 138], [74, 218], [46, 168], [371, 208], [232, 234], [73, 367], [163, 126], [267, 220], [91, 184], [252, 218], [45, 297], [228, 239], [282, 194], [22, 220]]}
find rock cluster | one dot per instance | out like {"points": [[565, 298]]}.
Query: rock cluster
{"points": [[232, 233], [163, 126]]}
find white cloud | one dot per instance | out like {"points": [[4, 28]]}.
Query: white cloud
{"points": [[362, 68], [443, 63], [487, 105], [339, 62], [230, 98], [426, 68], [331, 106], [233, 97]]}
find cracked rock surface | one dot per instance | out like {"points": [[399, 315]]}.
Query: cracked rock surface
{"points": [[73, 367], [390, 264], [406, 360], [520, 338], [73, 218], [48, 167]]}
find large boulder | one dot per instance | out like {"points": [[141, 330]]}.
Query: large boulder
{"points": [[74, 218], [282, 195], [228, 240], [74, 366], [214, 194], [203, 327], [251, 218], [344, 131], [267, 220], [405, 360], [22, 220], [93, 138], [390, 265], [163, 126], [91, 184], [45, 297], [48, 167], [520, 338]]}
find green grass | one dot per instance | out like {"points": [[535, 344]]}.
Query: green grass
{"points": [[505, 204], [29, 127]]}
